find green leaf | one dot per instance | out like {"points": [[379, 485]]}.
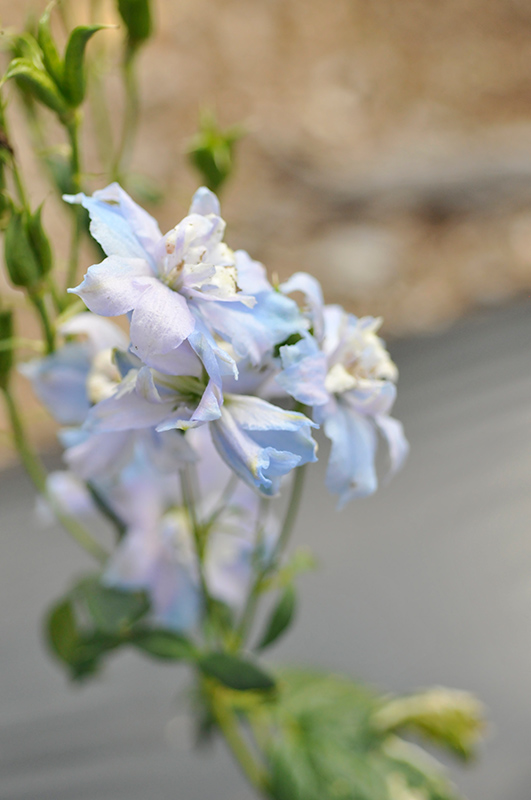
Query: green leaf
{"points": [[280, 619], [163, 644], [38, 83], [74, 80], [81, 651], [235, 672], [137, 17], [61, 628], [52, 60], [112, 610]]}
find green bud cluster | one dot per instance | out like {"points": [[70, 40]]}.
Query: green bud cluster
{"points": [[58, 83]]}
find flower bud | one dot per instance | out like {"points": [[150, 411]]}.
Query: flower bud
{"points": [[211, 151], [136, 15], [20, 258], [6, 355], [451, 718], [39, 242]]}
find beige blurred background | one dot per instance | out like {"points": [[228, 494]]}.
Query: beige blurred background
{"points": [[388, 152]]}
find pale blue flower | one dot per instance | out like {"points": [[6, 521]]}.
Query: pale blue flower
{"points": [[162, 280], [347, 376]]}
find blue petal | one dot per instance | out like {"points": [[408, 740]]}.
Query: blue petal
{"points": [[393, 432], [204, 202], [120, 226], [261, 442], [110, 289], [254, 332], [60, 382], [161, 320], [304, 372], [351, 472], [311, 289]]}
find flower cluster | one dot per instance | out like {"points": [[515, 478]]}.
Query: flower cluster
{"points": [[209, 402]]}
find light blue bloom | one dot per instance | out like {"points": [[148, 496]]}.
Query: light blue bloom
{"points": [[262, 442], [162, 280], [347, 376]]}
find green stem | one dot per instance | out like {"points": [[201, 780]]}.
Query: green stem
{"points": [[78, 211], [189, 505], [47, 327], [282, 541], [107, 511], [292, 510], [228, 724], [131, 113], [38, 475], [99, 106]]}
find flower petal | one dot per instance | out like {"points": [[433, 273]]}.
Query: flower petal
{"points": [[351, 472], [393, 432], [204, 202], [161, 320], [311, 289], [120, 226], [60, 382], [304, 372], [110, 288], [101, 334], [128, 409]]}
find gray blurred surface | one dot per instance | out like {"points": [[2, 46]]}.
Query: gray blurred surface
{"points": [[429, 582]]}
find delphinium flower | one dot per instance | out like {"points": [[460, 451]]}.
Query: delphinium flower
{"points": [[184, 286], [346, 374]]}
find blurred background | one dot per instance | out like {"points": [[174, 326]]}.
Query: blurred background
{"points": [[388, 152]]}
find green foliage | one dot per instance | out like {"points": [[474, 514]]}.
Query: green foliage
{"points": [[235, 672], [92, 620], [320, 742], [6, 355], [281, 618], [112, 611], [39, 69], [79, 649], [211, 151], [163, 644], [137, 17]]}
